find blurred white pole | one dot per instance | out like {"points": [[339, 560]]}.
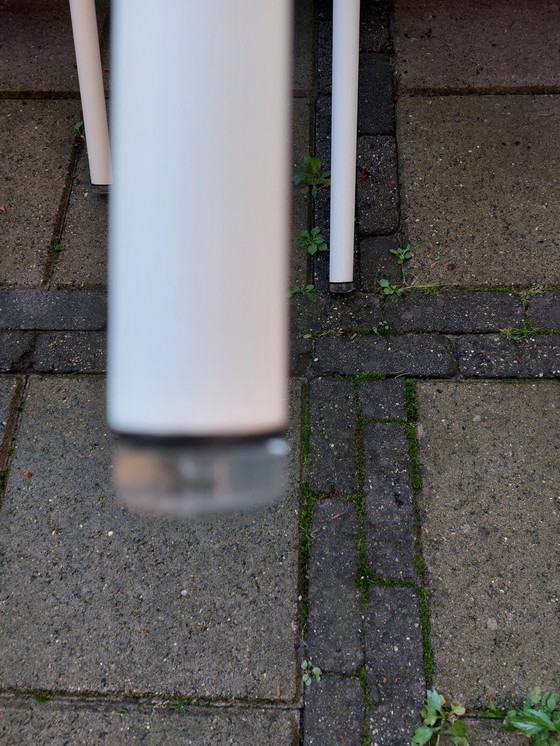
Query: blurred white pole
{"points": [[90, 76], [345, 65], [198, 250]]}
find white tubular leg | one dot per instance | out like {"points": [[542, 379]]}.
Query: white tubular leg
{"points": [[198, 250], [90, 76], [345, 65]]}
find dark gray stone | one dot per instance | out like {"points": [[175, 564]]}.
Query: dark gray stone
{"points": [[304, 29], [96, 598], [334, 712], [300, 355], [493, 356], [28, 723], [8, 388], [60, 309], [350, 312], [321, 271], [488, 733], [335, 613], [377, 262], [456, 312], [383, 400], [394, 666], [544, 311], [302, 115], [415, 355], [323, 111], [376, 111], [333, 430], [377, 202], [391, 544], [70, 352], [15, 348]]}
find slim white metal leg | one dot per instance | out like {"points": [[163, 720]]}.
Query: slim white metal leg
{"points": [[90, 76], [345, 65], [199, 251]]}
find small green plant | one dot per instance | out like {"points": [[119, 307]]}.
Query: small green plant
{"points": [[404, 255], [538, 718], [58, 247], [535, 290], [393, 291], [312, 241], [516, 335], [308, 291], [310, 174], [310, 671], [439, 720], [79, 129], [178, 704], [381, 328]]}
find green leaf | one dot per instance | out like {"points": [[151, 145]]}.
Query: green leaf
{"points": [[384, 283], [315, 231], [458, 728], [433, 699], [527, 727], [534, 695], [422, 735], [314, 165], [312, 249], [549, 702], [314, 190]]}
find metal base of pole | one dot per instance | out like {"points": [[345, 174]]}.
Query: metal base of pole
{"points": [[186, 476], [341, 287]]}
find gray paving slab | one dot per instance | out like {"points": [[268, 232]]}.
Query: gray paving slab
{"points": [[376, 111], [490, 454], [465, 44], [488, 733], [544, 311], [44, 309], [95, 598], [394, 667], [334, 712], [382, 400], [15, 350], [301, 146], [462, 158], [35, 150], [300, 355], [70, 352], [83, 258], [377, 200], [376, 262], [352, 312], [36, 46], [8, 387], [304, 31], [78, 724], [333, 638], [492, 356]]}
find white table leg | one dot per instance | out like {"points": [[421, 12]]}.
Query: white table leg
{"points": [[345, 64], [90, 76]]}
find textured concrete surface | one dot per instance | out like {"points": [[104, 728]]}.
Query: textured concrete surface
{"points": [[376, 262], [544, 311], [394, 667], [15, 348], [376, 113], [42, 309], [35, 150], [8, 387], [466, 44], [202, 608], [490, 454], [488, 733], [83, 260], [463, 160], [350, 312], [335, 614], [377, 199], [304, 31], [382, 400], [533, 356], [334, 712], [70, 352], [301, 132], [30, 723]]}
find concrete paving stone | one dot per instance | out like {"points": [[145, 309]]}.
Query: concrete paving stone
{"points": [[391, 545], [374, 35], [394, 667], [456, 312], [83, 260], [77, 724], [332, 434], [320, 266], [304, 31], [301, 146], [70, 352], [382, 400], [466, 45], [8, 388], [490, 453], [488, 733], [335, 605], [462, 158], [204, 607], [494, 356], [44, 309], [35, 150], [544, 311], [414, 355], [15, 348], [376, 262], [334, 712], [37, 48], [300, 355], [377, 201], [323, 113], [376, 110], [328, 311]]}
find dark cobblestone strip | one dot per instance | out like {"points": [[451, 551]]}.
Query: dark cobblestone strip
{"points": [[492, 356], [334, 712], [544, 311], [52, 352], [57, 310]]}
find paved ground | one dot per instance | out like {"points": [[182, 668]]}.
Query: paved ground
{"points": [[417, 543]]}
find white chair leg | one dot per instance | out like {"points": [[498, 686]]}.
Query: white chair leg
{"points": [[345, 65], [90, 76]]}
